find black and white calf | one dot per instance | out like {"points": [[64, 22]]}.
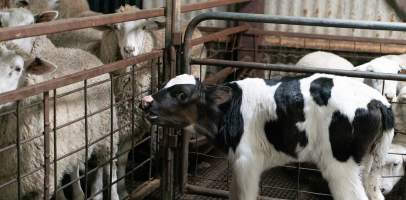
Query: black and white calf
{"points": [[343, 126]]}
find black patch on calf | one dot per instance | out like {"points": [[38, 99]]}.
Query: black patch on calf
{"points": [[320, 89], [231, 126], [283, 133], [355, 139]]}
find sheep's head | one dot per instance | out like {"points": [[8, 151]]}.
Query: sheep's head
{"points": [[382, 65], [14, 67], [393, 168], [20, 17], [131, 36]]}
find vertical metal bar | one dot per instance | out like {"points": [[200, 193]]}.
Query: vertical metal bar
{"points": [[111, 136], [172, 38], [86, 178], [18, 150], [47, 164], [257, 7], [55, 149], [298, 181]]}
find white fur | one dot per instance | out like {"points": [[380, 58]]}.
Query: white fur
{"points": [[69, 108], [18, 17], [394, 167], [9, 74], [385, 64], [382, 65], [181, 79], [324, 59], [255, 154]]}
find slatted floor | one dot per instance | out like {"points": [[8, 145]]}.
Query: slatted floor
{"points": [[280, 183]]}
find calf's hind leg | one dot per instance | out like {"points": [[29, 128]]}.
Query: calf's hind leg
{"points": [[344, 180]]}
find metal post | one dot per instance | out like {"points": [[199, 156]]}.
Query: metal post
{"points": [[254, 6], [47, 145], [173, 38], [18, 110]]}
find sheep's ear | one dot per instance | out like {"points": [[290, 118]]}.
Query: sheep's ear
{"points": [[22, 3], [219, 94], [39, 66], [46, 16], [153, 25]]}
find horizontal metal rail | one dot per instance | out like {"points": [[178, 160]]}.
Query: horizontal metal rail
{"points": [[100, 20], [221, 34], [292, 68], [75, 77], [274, 19]]}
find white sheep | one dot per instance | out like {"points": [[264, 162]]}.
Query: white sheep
{"points": [[66, 8], [384, 64], [85, 39], [324, 59], [393, 169], [125, 40], [70, 110], [69, 138], [88, 39]]}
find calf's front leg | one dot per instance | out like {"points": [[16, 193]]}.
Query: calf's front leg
{"points": [[246, 178]]}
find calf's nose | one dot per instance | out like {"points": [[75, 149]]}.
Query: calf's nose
{"points": [[146, 102]]}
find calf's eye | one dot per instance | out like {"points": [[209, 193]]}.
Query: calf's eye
{"points": [[181, 96]]}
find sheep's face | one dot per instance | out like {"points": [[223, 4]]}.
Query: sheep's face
{"points": [[130, 36], [393, 168], [20, 17], [14, 68], [382, 65], [11, 70]]}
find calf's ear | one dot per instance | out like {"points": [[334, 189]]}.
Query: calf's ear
{"points": [[219, 94]]}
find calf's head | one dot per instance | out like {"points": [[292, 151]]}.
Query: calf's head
{"points": [[184, 101]]}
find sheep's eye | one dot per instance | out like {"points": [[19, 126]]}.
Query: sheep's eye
{"points": [[395, 164]]}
